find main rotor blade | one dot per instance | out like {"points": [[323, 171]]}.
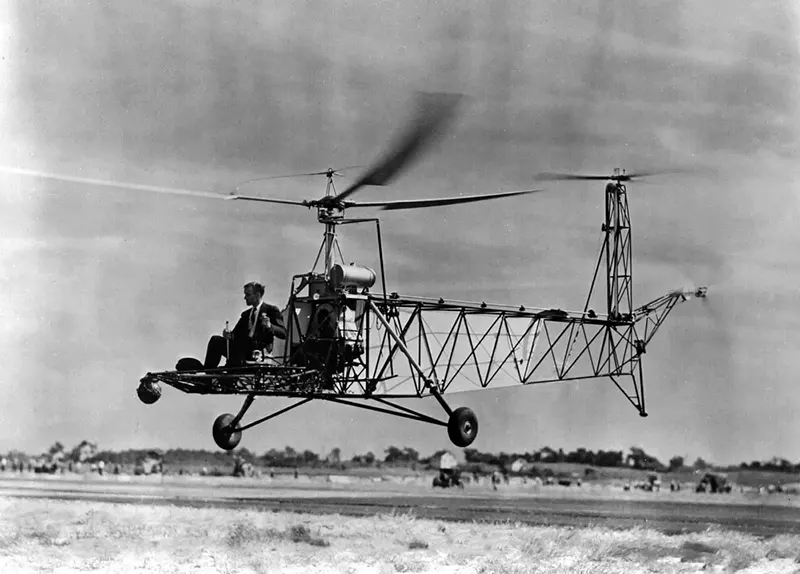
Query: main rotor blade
{"points": [[267, 200], [434, 110], [417, 203], [110, 183], [331, 171]]}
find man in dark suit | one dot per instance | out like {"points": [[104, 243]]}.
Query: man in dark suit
{"points": [[256, 329]]}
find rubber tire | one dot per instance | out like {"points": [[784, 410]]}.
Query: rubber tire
{"points": [[462, 428], [149, 393], [225, 439]]}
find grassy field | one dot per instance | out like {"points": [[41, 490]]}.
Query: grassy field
{"points": [[48, 536]]}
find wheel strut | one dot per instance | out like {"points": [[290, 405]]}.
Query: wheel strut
{"points": [[462, 426], [248, 401], [226, 431], [435, 392]]}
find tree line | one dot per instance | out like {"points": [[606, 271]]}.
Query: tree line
{"points": [[636, 457]]}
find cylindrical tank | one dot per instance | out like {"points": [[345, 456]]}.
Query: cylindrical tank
{"points": [[352, 276]]}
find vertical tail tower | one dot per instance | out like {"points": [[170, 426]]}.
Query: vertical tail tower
{"points": [[617, 249]]}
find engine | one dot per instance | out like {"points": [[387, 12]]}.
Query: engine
{"points": [[324, 323]]}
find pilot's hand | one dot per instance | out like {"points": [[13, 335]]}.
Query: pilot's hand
{"points": [[265, 322], [227, 334]]}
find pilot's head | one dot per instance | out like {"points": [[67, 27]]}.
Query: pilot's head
{"points": [[253, 292]]}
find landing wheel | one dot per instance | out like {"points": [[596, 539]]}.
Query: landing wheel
{"points": [[462, 427], [225, 439]]}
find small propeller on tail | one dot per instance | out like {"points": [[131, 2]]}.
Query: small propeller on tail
{"points": [[707, 272]]}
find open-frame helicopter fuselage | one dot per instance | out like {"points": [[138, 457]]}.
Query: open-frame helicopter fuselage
{"points": [[349, 345]]}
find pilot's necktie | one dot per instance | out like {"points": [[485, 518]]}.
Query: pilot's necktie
{"points": [[253, 317]]}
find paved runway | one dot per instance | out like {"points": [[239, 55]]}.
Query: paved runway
{"points": [[664, 515]]}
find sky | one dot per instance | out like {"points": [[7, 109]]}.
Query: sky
{"points": [[102, 285]]}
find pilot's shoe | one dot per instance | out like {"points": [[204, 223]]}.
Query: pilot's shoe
{"points": [[189, 364]]}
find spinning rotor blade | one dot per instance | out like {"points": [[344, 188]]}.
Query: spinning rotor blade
{"points": [[110, 183], [698, 265], [268, 200], [434, 111], [330, 171], [415, 203]]}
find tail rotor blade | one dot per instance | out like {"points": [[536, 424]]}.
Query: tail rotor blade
{"points": [[698, 265]]}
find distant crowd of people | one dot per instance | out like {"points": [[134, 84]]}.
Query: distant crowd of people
{"points": [[33, 465]]}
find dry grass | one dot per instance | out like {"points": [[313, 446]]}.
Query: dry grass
{"points": [[48, 536]]}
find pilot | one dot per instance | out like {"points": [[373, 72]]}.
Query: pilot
{"points": [[256, 330]]}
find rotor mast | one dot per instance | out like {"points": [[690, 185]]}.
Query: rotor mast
{"points": [[617, 250], [325, 216]]}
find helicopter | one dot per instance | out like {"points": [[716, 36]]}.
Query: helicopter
{"points": [[349, 345]]}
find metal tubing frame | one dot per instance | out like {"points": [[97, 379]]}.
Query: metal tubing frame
{"points": [[573, 345], [273, 415], [399, 411], [564, 347], [617, 249], [402, 412], [380, 245]]}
